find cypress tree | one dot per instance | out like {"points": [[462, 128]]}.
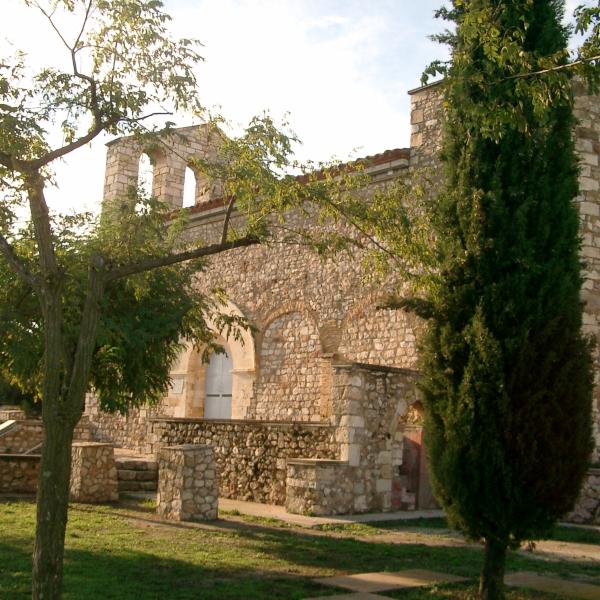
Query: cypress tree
{"points": [[507, 373]]}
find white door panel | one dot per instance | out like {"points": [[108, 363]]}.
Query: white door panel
{"points": [[217, 403]]}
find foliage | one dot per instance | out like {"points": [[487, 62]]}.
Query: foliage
{"points": [[145, 318]]}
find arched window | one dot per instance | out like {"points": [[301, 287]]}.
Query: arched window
{"points": [[145, 179], [189, 188], [218, 387]]}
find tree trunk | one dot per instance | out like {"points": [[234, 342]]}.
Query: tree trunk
{"points": [[491, 583], [52, 506]]}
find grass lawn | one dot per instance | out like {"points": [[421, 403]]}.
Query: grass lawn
{"points": [[120, 552], [561, 533]]}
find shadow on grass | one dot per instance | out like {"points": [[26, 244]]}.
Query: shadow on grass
{"points": [[139, 576], [113, 556]]}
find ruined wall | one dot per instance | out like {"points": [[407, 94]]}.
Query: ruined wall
{"points": [[250, 455], [369, 403], [587, 111], [19, 473], [27, 434]]}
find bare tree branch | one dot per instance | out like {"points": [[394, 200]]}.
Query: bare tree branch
{"points": [[227, 219], [581, 61], [16, 264], [165, 261]]}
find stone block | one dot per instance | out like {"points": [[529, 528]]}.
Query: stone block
{"points": [[93, 473], [188, 487]]}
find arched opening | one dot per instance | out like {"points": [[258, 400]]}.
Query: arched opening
{"points": [[145, 180], [187, 396], [218, 386], [189, 188]]}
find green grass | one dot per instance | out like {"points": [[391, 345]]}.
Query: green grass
{"points": [[123, 552], [561, 533]]}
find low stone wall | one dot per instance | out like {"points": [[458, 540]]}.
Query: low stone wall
{"points": [[29, 433], [22, 437], [587, 509], [93, 473], [19, 473], [320, 487], [188, 483], [251, 455], [124, 431], [8, 413]]}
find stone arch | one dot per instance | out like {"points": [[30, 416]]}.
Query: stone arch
{"points": [[191, 370], [189, 188], [171, 155], [145, 177], [379, 336], [288, 383]]}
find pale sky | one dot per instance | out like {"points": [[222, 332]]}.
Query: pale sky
{"points": [[340, 68]]}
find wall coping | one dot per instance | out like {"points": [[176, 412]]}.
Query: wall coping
{"points": [[251, 422], [86, 444], [32, 457], [316, 462], [424, 87]]}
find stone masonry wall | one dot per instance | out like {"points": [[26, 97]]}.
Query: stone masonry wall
{"points": [[288, 381], [587, 111], [188, 483], [25, 435], [369, 403], [130, 431], [19, 473], [250, 455], [587, 509]]}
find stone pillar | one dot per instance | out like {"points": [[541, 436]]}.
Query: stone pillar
{"points": [[93, 473], [188, 488]]}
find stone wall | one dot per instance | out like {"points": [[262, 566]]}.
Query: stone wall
{"points": [[587, 111], [288, 382], [124, 431], [19, 473], [187, 483], [587, 509], [369, 403], [28, 434], [93, 473], [250, 455]]}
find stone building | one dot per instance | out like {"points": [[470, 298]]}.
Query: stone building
{"points": [[317, 409]]}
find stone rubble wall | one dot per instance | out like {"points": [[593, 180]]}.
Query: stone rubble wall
{"points": [[250, 455], [124, 431], [9, 413], [587, 140], [187, 483], [587, 509], [320, 487], [369, 403], [19, 473], [93, 473], [29, 433]]}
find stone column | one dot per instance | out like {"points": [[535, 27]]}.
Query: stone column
{"points": [[93, 473], [188, 488]]}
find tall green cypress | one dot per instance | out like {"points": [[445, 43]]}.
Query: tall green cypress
{"points": [[507, 373]]}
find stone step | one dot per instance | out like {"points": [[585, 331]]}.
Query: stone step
{"points": [[136, 464], [137, 486], [132, 474], [137, 474]]}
